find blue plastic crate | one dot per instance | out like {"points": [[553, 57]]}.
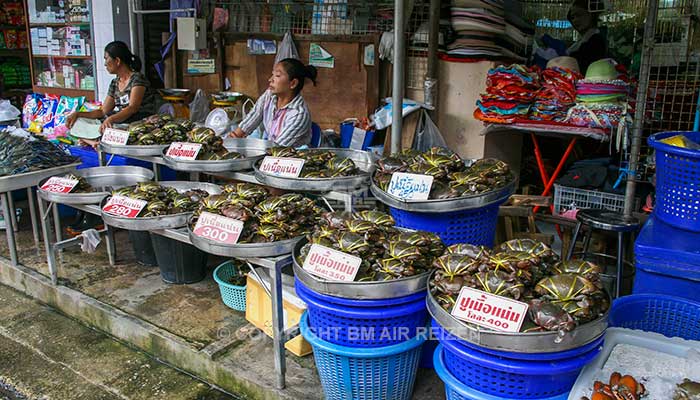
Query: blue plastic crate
{"points": [[476, 226], [456, 390], [668, 315], [667, 260], [346, 130], [364, 323], [90, 158], [514, 378], [378, 373], [677, 182]]}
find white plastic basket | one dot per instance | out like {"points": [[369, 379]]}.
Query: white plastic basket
{"points": [[567, 198], [649, 340]]}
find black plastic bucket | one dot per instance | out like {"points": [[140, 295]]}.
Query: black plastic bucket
{"points": [[179, 262], [143, 248]]}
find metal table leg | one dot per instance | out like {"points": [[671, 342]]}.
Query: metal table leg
{"points": [[111, 247], [278, 325], [32, 215], [45, 215], [57, 226], [620, 264], [574, 236], [13, 212], [9, 227]]}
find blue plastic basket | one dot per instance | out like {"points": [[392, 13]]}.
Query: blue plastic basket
{"points": [[677, 182], [364, 323], [514, 378], [668, 315], [476, 226], [350, 373], [456, 390], [232, 295]]}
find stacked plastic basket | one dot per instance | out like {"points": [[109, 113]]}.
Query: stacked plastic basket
{"points": [[363, 348], [667, 255]]}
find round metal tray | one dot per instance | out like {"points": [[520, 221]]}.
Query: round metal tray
{"points": [[243, 250], [103, 179], [133, 150], [360, 290], [446, 205], [364, 160], [532, 342], [161, 222], [252, 149]]}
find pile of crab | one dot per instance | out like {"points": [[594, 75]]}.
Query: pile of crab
{"points": [[387, 253], [266, 218], [162, 200], [158, 129], [452, 178], [560, 294], [212, 145], [82, 186], [318, 163]]}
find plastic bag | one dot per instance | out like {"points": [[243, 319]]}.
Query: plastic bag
{"points": [[383, 116], [91, 239], [286, 49], [199, 107], [427, 135], [30, 109], [8, 112]]}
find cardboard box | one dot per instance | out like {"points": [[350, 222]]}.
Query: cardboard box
{"points": [[258, 311]]}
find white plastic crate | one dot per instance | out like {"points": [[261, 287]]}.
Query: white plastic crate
{"points": [[567, 198]]}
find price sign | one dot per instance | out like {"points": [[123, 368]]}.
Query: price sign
{"points": [[115, 136], [490, 311], [183, 151], [125, 207], [59, 185], [218, 228], [286, 167], [331, 264], [410, 186]]}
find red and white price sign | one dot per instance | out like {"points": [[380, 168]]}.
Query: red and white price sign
{"points": [[115, 136], [123, 206], [286, 167], [218, 228], [57, 184], [331, 264], [490, 311], [183, 151]]}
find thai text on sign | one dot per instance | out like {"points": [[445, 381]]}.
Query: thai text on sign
{"points": [[59, 185], [410, 186], [183, 151], [490, 311], [331, 264], [115, 136], [218, 228], [282, 166], [123, 206]]}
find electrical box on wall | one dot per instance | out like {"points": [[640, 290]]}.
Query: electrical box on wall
{"points": [[191, 34]]}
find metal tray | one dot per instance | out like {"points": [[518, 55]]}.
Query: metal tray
{"points": [[133, 150], [446, 205], [252, 149], [28, 179], [364, 160], [103, 179], [243, 250], [360, 290], [162, 222], [533, 342]]}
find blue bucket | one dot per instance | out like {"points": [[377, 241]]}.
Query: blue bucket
{"points": [[668, 315]]}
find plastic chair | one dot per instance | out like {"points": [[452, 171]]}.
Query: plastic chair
{"points": [[315, 135]]}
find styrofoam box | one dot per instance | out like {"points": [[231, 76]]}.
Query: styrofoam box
{"points": [[649, 342]]}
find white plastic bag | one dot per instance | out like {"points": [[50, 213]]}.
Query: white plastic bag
{"points": [[286, 49], [91, 239], [382, 117], [199, 107], [427, 135], [8, 112]]}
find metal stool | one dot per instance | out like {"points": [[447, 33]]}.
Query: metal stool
{"points": [[608, 221]]}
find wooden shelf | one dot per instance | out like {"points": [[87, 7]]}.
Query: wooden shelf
{"points": [[72, 92], [57, 24], [76, 57], [19, 27], [14, 52]]}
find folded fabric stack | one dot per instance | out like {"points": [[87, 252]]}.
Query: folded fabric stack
{"points": [[557, 95], [595, 91], [510, 91], [477, 24]]}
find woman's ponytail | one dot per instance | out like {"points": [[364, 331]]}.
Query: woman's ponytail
{"points": [[311, 73], [295, 69]]}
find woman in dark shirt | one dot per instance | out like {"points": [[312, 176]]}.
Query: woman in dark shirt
{"points": [[130, 97], [591, 45]]}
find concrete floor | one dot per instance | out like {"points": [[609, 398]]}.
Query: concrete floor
{"points": [[192, 313]]}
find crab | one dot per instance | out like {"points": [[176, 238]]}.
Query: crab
{"points": [[427, 169], [214, 203], [146, 140], [442, 191], [336, 219], [687, 390], [403, 251], [181, 203], [453, 272], [584, 268], [238, 212], [619, 387], [479, 253], [196, 194], [156, 208], [282, 152], [389, 165], [268, 233], [352, 243], [531, 246], [360, 226], [201, 135], [395, 268], [375, 217], [511, 261], [150, 188], [565, 287], [382, 180], [499, 283], [440, 161], [341, 165], [491, 166], [550, 316]]}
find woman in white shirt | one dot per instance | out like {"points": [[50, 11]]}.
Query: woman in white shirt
{"points": [[281, 109]]}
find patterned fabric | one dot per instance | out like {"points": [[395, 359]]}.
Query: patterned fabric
{"points": [[510, 90], [287, 126], [122, 97]]}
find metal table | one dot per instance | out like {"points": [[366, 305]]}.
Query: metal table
{"points": [[26, 181]]}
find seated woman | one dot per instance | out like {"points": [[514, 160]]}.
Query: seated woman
{"points": [[281, 109], [129, 98]]}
